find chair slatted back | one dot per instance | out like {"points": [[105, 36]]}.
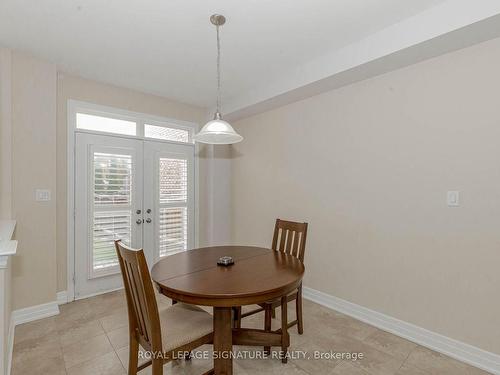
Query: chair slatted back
{"points": [[290, 237], [144, 320]]}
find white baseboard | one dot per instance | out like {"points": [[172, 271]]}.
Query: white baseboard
{"points": [[463, 352], [84, 296], [29, 314], [32, 313], [62, 297], [10, 345]]}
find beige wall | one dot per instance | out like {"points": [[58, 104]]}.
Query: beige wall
{"points": [[5, 133], [5, 197], [33, 166], [368, 166], [70, 87]]}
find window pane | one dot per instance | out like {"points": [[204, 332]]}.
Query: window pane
{"points": [[168, 134], [109, 226], [173, 180], [173, 230], [112, 179], [105, 124]]}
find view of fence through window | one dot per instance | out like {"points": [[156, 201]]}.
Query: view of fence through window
{"points": [[173, 192]]}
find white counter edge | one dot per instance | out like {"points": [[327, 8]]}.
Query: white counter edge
{"points": [[8, 247]]}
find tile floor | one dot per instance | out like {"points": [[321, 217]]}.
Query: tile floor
{"points": [[90, 337]]}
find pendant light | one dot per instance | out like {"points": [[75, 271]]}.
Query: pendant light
{"points": [[218, 131]]}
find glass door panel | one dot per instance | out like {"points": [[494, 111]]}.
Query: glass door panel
{"points": [[169, 171]]}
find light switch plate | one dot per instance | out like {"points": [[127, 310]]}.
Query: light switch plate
{"points": [[453, 198], [42, 195]]}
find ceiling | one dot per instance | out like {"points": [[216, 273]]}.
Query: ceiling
{"points": [[167, 47]]}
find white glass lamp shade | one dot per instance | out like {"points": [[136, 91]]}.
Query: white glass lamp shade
{"points": [[218, 132]]}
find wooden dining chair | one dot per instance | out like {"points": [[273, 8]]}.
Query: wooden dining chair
{"points": [[290, 238], [168, 333]]}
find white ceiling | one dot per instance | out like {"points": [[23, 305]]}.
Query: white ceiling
{"points": [[167, 47]]}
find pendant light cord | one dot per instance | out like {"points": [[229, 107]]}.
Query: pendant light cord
{"points": [[218, 70]]}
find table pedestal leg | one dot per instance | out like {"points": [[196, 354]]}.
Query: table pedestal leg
{"points": [[223, 341]]}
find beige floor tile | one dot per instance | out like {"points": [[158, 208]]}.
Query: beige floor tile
{"points": [[26, 346], [347, 326], [475, 371], [191, 367], [312, 364], [198, 365], [123, 356], [436, 363], [407, 369], [268, 366], [296, 340], [390, 344], [175, 367], [320, 321], [79, 332], [257, 321], [86, 350], [119, 337], [74, 308], [108, 364], [91, 337], [41, 357], [34, 331], [117, 320], [374, 361], [108, 304], [238, 370], [347, 368], [50, 366], [379, 363], [74, 314], [313, 311]]}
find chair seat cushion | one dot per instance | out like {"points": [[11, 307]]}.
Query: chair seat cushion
{"points": [[182, 324]]}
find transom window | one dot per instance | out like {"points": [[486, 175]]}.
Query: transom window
{"points": [[105, 124], [167, 133], [135, 127]]}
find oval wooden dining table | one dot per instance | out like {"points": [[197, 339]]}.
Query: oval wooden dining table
{"points": [[257, 275]]}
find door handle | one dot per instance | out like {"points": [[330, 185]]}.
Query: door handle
{"points": [[148, 220], [138, 221]]}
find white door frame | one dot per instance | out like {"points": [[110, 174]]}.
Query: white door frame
{"points": [[75, 106]]}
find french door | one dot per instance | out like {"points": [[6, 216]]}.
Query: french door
{"points": [[168, 199], [139, 191]]}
